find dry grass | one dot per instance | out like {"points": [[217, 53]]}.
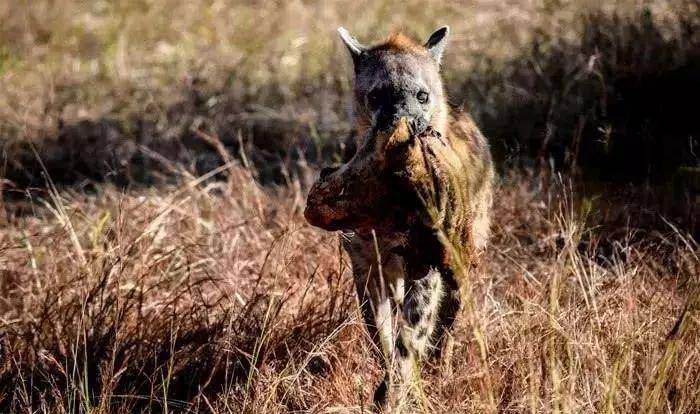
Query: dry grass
{"points": [[215, 296], [209, 293], [547, 79]]}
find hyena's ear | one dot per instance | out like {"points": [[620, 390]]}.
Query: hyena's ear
{"points": [[356, 48], [437, 42]]}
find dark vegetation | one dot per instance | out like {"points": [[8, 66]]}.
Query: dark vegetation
{"points": [[615, 106]]}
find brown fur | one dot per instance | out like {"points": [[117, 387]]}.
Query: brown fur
{"points": [[398, 42], [409, 202]]}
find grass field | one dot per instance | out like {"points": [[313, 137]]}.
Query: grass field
{"points": [[155, 158]]}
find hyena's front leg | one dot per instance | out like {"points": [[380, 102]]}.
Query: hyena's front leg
{"points": [[379, 282], [386, 296], [420, 315]]}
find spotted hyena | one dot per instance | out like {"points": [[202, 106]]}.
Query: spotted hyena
{"points": [[412, 199]]}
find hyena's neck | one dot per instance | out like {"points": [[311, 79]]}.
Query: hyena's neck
{"points": [[439, 119]]}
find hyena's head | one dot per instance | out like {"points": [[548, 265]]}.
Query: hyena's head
{"points": [[398, 96], [398, 78]]}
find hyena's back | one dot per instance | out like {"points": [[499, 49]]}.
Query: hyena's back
{"points": [[478, 176]]}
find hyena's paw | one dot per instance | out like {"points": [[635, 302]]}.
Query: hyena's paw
{"points": [[398, 398], [381, 395]]}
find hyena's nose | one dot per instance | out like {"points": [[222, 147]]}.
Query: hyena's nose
{"points": [[418, 125]]}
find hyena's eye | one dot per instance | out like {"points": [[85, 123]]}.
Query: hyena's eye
{"points": [[422, 97]]}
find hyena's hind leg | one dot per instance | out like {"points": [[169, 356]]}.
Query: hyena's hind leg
{"points": [[449, 308]]}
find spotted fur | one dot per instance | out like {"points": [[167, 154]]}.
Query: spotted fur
{"points": [[412, 199]]}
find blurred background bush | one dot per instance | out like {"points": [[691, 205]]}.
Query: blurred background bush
{"points": [[110, 90]]}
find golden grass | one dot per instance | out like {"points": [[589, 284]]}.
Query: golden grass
{"points": [[69, 59], [568, 83], [215, 296]]}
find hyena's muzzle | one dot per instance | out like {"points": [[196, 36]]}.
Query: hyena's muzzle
{"points": [[395, 103], [393, 113]]}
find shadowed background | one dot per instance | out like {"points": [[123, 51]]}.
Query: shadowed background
{"points": [[604, 90], [110, 110]]}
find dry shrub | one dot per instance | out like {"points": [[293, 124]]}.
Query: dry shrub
{"points": [[612, 102], [116, 300], [216, 296]]}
